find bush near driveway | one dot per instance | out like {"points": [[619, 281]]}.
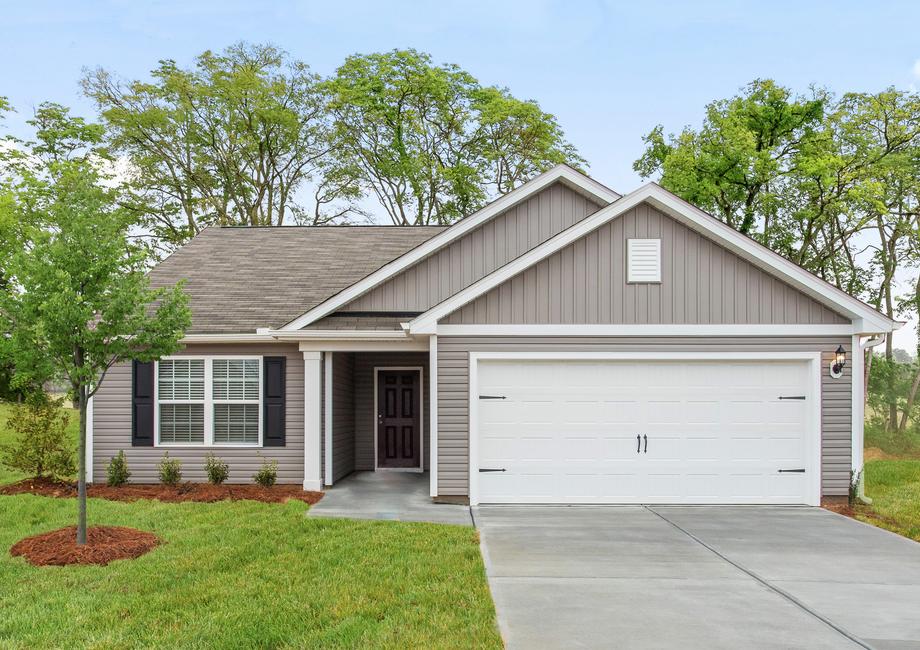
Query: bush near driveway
{"points": [[246, 574]]}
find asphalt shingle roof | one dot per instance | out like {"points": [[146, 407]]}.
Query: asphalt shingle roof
{"points": [[239, 279]]}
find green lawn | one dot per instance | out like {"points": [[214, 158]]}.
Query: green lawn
{"points": [[894, 487], [244, 574]]}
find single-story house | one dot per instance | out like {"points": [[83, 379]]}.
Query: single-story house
{"points": [[564, 344]]}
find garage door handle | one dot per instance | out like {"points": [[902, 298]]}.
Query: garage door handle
{"points": [[638, 443], [489, 469], [645, 438], [800, 470]]}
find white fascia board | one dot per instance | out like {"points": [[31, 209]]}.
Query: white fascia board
{"points": [[340, 335], [573, 179], [686, 213], [227, 338], [419, 344], [645, 330]]}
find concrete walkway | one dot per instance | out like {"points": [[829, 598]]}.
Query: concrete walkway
{"points": [[395, 496], [698, 577]]}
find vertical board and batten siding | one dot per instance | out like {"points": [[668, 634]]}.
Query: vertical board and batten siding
{"points": [[701, 283], [112, 426], [478, 253], [365, 420], [343, 414], [453, 391]]}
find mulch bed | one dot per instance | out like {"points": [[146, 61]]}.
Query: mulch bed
{"points": [[104, 544], [200, 492]]}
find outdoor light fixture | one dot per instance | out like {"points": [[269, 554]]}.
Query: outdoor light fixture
{"points": [[840, 360]]}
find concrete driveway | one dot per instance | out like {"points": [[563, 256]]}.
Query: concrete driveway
{"points": [[698, 577]]}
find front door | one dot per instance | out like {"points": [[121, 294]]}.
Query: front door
{"points": [[398, 419]]}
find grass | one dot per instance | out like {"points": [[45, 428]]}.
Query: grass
{"points": [[244, 574], [894, 487], [890, 444]]}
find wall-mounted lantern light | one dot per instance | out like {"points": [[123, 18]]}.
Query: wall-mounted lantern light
{"points": [[840, 360]]}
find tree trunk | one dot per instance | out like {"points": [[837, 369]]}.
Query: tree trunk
{"points": [[81, 471], [892, 400]]}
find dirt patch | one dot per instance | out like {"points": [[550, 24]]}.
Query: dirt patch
{"points": [[874, 453], [200, 492], [858, 511], [104, 544]]}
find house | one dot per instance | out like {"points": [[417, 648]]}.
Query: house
{"points": [[565, 344]]}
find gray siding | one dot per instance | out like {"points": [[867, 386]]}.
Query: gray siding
{"points": [[453, 392], [343, 414], [112, 426], [365, 419], [479, 252], [701, 283]]}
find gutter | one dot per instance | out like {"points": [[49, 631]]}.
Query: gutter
{"points": [[874, 341]]}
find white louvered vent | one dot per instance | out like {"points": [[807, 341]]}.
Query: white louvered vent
{"points": [[643, 262]]}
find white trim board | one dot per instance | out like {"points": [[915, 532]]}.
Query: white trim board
{"points": [[327, 416], [89, 439], [433, 413], [866, 319], [645, 330], [563, 173], [813, 454], [421, 413]]}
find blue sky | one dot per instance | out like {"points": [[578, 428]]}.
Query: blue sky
{"points": [[610, 71]]}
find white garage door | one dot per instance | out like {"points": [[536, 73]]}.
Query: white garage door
{"points": [[649, 431]]}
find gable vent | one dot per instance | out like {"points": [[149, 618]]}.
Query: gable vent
{"points": [[643, 262]]}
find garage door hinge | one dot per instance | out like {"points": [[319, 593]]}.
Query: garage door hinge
{"points": [[492, 397], [489, 469], [792, 397], [791, 471]]}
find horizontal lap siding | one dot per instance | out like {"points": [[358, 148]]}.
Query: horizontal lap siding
{"points": [[112, 426], [343, 414], [478, 253], [701, 283], [364, 417], [453, 391]]}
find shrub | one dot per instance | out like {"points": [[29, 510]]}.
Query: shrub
{"points": [[217, 470], [117, 472], [267, 474], [170, 470], [42, 447]]}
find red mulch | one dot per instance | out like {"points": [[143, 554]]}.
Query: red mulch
{"points": [[201, 492], [104, 544]]}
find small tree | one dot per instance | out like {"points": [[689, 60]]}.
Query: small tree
{"points": [[117, 473], [42, 448], [77, 299]]}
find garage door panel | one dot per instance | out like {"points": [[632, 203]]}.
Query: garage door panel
{"points": [[717, 431]]}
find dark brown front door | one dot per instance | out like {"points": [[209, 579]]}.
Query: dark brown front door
{"points": [[398, 420]]}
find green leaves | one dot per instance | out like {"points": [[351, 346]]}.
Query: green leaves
{"points": [[430, 142]]}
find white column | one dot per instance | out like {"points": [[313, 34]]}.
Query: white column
{"points": [[312, 425], [327, 425], [433, 412], [89, 440]]}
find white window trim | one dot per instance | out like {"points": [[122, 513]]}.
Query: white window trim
{"points": [[208, 403]]}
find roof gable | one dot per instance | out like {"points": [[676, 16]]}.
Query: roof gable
{"points": [[586, 282], [865, 319], [571, 178]]}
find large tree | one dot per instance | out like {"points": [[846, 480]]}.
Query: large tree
{"points": [[241, 138], [432, 144], [77, 299], [832, 184]]}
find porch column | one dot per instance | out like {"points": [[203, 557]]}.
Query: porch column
{"points": [[327, 412], [312, 420]]}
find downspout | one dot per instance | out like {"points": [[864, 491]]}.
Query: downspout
{"points": [[869, 343]]}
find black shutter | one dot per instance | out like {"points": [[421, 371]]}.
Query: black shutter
{"points": [[273, 401], [142, 404]]}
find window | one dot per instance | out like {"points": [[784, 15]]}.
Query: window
{"points": [[643, 260], [209, 401], [180, 388], [236, 400]]}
